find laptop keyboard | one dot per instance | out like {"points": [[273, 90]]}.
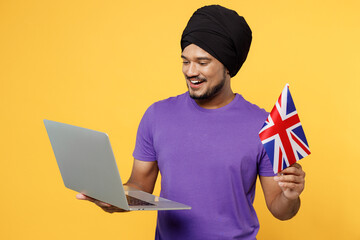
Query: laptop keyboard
{"points": [[132, 201]]}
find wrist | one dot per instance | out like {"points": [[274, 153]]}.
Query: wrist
{"points": [[292, 203]]}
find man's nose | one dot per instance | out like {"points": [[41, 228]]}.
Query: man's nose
{"points": [[192, 70]]}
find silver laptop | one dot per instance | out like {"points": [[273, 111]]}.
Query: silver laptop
{"points": [[87, 165]]}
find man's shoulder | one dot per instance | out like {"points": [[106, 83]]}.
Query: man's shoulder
{"points": [[166, 106], [170, 102], [252, 108]]}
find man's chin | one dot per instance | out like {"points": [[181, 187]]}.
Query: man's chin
{"points": [[196, 96]]}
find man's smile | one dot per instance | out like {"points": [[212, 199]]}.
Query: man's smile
{"points": [[196, 82]]}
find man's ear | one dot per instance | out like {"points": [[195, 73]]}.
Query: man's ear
{"points": [[226, 71]]}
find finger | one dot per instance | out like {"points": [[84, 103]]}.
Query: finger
{"points": [[289, 178], [102, 204], [289, 185], [291, 170], [295, 170], [81, 196], [296, 165]]}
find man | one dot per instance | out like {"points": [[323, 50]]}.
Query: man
{"points": [[205, 142]]}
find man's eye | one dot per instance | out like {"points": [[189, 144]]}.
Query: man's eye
{"points": [[184, 62], [203, 63]]}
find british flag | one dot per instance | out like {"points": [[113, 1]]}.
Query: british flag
{"points": [[282, 134]]}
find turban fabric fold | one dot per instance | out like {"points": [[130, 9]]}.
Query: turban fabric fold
{"points": [[222, 33]]}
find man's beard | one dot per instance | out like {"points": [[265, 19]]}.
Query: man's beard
{"points": [[210, 93]]}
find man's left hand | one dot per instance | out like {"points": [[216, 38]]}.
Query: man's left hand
{"points": [[291, 181]]}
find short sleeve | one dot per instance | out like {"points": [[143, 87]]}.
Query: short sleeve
{"points": [[264, 165], [144, 147]]}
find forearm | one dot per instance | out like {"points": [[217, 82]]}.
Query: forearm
{"points": [[139, 186], [282, 208]]}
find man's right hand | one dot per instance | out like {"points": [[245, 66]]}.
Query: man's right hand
{"points": [[104, 206], [143, 177]]}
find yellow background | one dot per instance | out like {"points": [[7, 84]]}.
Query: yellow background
{"points": [[100, 64]]}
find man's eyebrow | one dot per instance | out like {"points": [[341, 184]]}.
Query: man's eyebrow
{"points": [[203, 58]]}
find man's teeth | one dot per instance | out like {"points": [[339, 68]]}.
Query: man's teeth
{"points": [[195, 82]]}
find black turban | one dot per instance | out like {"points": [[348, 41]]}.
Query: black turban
{"points": [[222, 33]]}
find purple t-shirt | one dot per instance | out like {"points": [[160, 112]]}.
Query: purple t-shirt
{"points": [[209, 159]]}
